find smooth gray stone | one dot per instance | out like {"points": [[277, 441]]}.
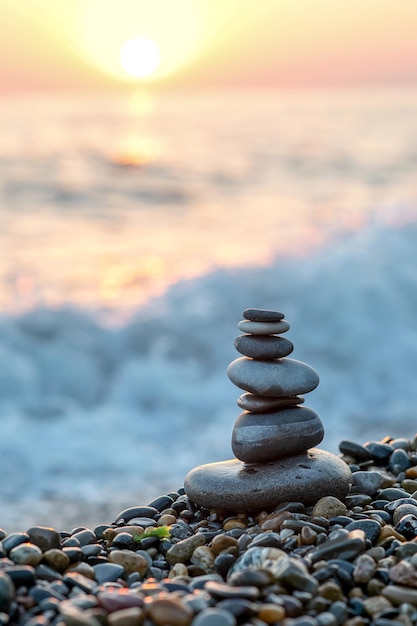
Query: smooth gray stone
{"points": [[259, 404], [267, 347], [262, 315], [263, 437], [282, 377], [263, 328], [237, 487]]}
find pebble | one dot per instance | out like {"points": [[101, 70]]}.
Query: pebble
{"points": [[283, 377], [263, 347], [262, 315], [213, 616], [328, 507], [165, 609], [182, 551], [263, 328], [262, 437], [259, 404], [232, 486], [44, 537]]}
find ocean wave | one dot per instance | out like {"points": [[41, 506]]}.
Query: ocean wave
{"points": [[86, 409]]}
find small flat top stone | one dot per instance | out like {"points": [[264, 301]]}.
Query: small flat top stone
{"points": [[262, 315], [236, 486], [263, 328]]}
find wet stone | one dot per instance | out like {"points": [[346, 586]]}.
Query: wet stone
{"points": [[107, 572], [44, 537], [26, 554], [14, 539], [368, 483], [7, 592], [380, 452], [360, 453], [345, 547], [371, 528]]}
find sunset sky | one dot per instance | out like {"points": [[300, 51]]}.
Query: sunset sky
{"points": [[75, 44]]}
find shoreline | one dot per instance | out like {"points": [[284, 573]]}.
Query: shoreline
{"points": [[350, 562]]}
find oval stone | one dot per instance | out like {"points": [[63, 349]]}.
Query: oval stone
{"points": [[263, 328], [282, 377], [262, 437], [262, 315], [266, 347], [236, 487], [259, 404]]}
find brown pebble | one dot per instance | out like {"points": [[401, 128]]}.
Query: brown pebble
{"points": [[271, 613], [388, 532], [83, 568], [222, 542], [411, 472], [57, 559], [110, 533], [166, 609], [331, 591], [308, 536], [409, 485], [329, 506], [166, 520], [376, 605], [274, 521], [179, 569], [130, 561], [126, 617], [233, 522]]}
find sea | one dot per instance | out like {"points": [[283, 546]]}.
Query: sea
{"points": [[137, 226]]}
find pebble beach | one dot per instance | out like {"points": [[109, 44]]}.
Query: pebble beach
{"points": [[350, 561]]}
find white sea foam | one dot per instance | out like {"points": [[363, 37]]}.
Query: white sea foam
{"points": [[89, 411]]}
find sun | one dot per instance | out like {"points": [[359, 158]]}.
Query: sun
{"points": [[134, 39], [140, 57]]}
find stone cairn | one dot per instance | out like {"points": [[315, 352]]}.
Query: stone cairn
{"points": [[273, 437]]}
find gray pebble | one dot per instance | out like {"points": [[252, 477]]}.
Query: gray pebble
{"points": [[366, 482], [262, 437], [259, 404], [214, 617], [265, 347], [234, 486], [263, 328], [282, 377], [262, 315]]}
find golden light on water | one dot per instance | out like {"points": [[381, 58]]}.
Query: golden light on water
{"points": [[140, 57]]}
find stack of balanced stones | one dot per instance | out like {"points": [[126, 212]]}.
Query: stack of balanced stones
{"points": [[273, 437]]}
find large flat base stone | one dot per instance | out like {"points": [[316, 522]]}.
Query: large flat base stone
{"points": [[239, 487]]}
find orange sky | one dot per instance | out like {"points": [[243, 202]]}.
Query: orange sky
{"points": [[58, 44]]}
